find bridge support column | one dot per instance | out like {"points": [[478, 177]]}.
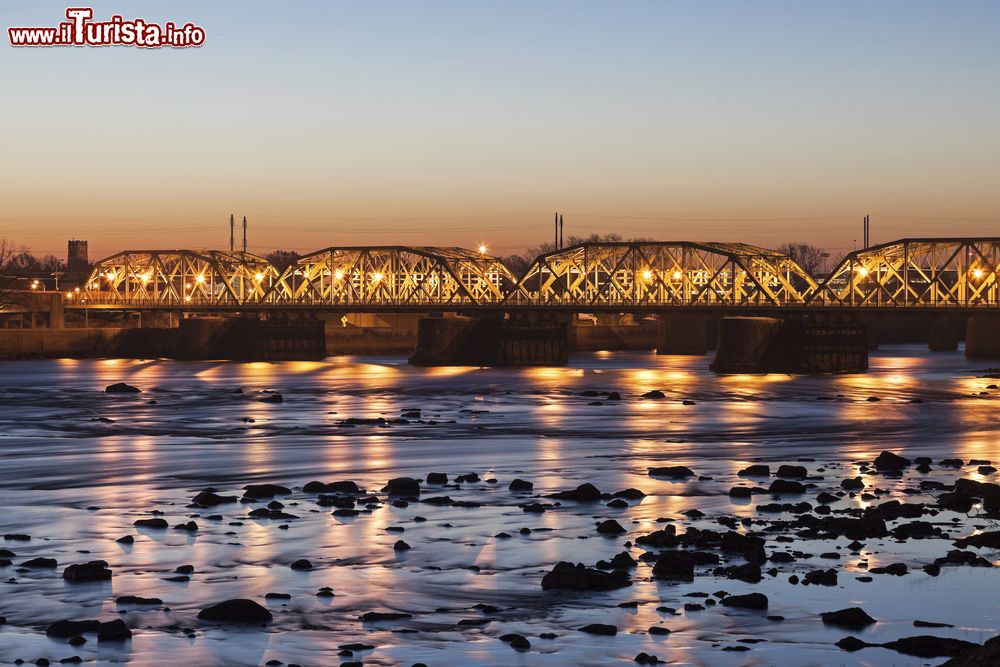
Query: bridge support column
{"points": [[57, 317], [683, 333], [945, 332], [519, 340], [773, 345], [982, 337]]}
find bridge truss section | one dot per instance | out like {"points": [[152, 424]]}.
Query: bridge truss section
{"points": [[179, 278], [919, 272], [398, 276], [649, 274]]}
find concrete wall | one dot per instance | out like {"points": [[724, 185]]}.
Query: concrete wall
{"points": [[590, 338], [383, 340], [52, 343]]}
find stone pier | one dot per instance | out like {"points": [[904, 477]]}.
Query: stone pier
{"points": [[774, 345], [683, 333], [982, 337], [519, 340]]}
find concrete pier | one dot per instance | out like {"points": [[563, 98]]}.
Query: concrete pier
{"points": [[491, 341], [683, 333], [774, 345], [982, 337], [945, 333]]}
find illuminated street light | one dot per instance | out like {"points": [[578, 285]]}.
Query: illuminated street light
{"points": [[677, 275], [482, 248], [862, 271], [259, 276], [377, 277], [647, 275], [199, 278], [339, 275], [977, 274]]}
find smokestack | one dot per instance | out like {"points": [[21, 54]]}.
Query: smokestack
{"points": [[244, 233], [560, 231], [232, 233], [555, 241]]}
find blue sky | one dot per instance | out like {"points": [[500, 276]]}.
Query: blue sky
{"points": [[464, 122]]}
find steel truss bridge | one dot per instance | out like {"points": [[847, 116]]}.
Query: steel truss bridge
{"points": [[917, 273]]}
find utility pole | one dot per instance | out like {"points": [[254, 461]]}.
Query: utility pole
{"points": [[867, 234], [560, 231], [232, 232], [244, 234], [555, 239]]}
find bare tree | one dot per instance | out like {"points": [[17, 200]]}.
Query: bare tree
{"points": [[518, 264], [282, 259], [809, 257], [11, 271]]}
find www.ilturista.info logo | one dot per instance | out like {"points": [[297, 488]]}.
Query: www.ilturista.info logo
{"points": [[81, 30]]}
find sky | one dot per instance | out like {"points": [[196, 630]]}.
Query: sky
{"points": [[427, 122]]}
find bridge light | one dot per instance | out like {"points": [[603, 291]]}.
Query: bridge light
{"points": [[647, 275], [187, 298], [977, 274], [69, 295], [338, 275], [677, 275], [145, 278], [259, 276], [862, 271], [482, 248], [199, 278], [377, 277], [110, 276]]}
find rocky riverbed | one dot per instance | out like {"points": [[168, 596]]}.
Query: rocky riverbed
{"points": [[627, 508]]}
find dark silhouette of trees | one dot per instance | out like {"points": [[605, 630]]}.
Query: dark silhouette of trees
{"points": [[282, 259], [809, 257]]}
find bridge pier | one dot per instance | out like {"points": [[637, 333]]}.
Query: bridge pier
{"points": [[518, 340], [683, 333], [982, 337], [775, 345], [57, 315], [944, 333]]}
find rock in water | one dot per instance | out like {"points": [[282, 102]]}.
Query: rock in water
{"points": [[891, 461], [265, 490], [674, 566], [115, 630], [121, 388], [301, 564], [748, 601], [852, 617], [238, 611], [600, 629], [71, 628], [673, 472], [586, 493], [403, 486], [95, 570], [928, 646], [211, 499], [567, 576], [521, 485]]}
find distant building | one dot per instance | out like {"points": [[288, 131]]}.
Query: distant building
{"points": [[77, 259]]}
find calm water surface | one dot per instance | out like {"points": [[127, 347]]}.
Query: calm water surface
{"points": [[79, 466]]}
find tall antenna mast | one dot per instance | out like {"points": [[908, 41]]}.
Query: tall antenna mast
{"points": [[560, 231], [244, 234], [555, 240], [232, 232]]}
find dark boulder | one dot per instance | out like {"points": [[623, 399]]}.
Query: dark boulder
{"points": [[756, 470], [211, 499], [578, 577], [403, 486], [748, 601], [121, 388], [600, 629], [586, 492], [65, 628], [610, 527], [301, 564], [437, 478], [238, 611], [784, 486], [265, 491], [521, 485], [672, 472], [852, 617], [95, 570], [156, 523], [674, 566], [928, 646], [792, 472], [115, 630], [891, 461]]}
